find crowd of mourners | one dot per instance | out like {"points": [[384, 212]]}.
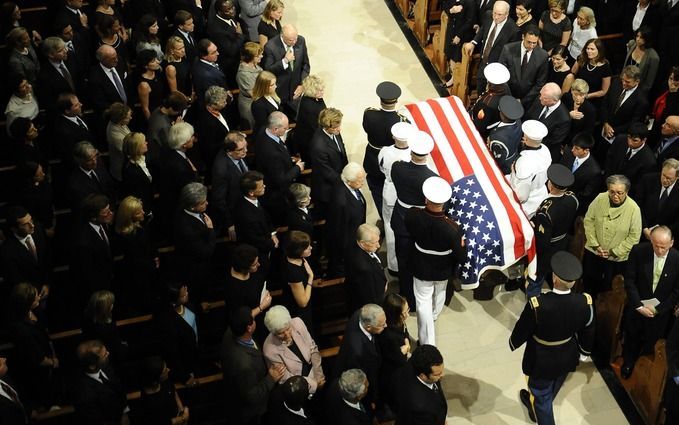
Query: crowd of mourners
{"points": [[197, 125]]}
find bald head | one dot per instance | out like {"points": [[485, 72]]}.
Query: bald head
{"points": [[289, 34], [107, 55], [671, 126], [550, 94]]}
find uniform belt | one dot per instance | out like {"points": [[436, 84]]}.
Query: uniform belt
{"points": [[551, 343], [375, 147], [557, 238], [404, 205], [430, 252]]}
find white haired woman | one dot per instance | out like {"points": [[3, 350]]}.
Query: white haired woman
{"points": [[290, 343]]}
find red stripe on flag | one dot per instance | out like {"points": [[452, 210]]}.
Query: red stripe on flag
{"points": [[514, 219], [453, 141], [436, 156]]}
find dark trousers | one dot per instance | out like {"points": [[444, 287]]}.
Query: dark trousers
{"points": [[598, 273], [404, 255], [641, 334], [376, 185], [543, 392]]}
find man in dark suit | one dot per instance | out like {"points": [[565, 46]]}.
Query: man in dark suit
{"points": [[59, 75], [99, 396], [359, 350], [491, 38], [228, 167], [194, 239], [227, 34], [668, 145], [587, 172], [328, 157], [423, 401], [657, 199], [12, 411], [91, 265], [71, 11], [184, 26], [286, 56], [24, 254], [652, 286], [365, 280], [346, 211], [289, 400], [247, 381], [624, 105], [69, 128], [344, 403], [630, 155], [89, 176], [273, 160], [78, 49], [195, 8], [527, 65], [205, 71], [176, 168], [485, 11], [108, 81], [549, 110]]}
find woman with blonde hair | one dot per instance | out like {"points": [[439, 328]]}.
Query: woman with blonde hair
{"points": [[581, 110], [248, 70], [99, 324], [264, 99], [137, 176], [270, 24], [584, 29], [310, 107], [178, 68]]}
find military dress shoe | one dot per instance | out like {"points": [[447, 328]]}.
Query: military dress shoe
{"points": [[626, 371], [524, 395]]}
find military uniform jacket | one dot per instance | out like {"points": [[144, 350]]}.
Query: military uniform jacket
{"points": [[377, 125], [556, 328], [408, 179], [485, 112], [438, 244], [552, 221], [504, 141]]}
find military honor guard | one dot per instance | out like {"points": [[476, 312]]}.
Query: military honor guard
{"points": [[399, 151], [557, 328], [377, 125], [439, 249], [505, 135], [529, 171], [552, 221], [485, 111]]}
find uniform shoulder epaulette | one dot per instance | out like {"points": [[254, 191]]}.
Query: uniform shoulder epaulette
{"points": [[402, 117], [569, 193], [370, 108], [534, 302], [588, 298], [545, 205]]}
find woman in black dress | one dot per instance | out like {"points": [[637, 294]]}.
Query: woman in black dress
{"points": [[26, 147], [581, 110], [524, 17], [159, 403], [99, 324], [264, 99], [108, 28], [150, 82], [139, 289], [36, 195], [138, 176], [461, 18], [245, 287], [593, 67], [270, 24], [178, 68], [555, 26], [300, 277], [394, 343], [559, 72], [310, 107]]}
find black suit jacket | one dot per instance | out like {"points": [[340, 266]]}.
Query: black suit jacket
{"points": [[641, 163], [253, 226], [327, 162], [98, 403], [91, 261], [588, 180], [345, 214], [175, 173], [194, 245], [137, 183], [273, 160], [225, 189], [204, 76], [12, 413], [80, 185], [52, 83], [337, 412], [66, 135], [261, 109], [299, 220], [558, 124], [365, 280], [421, 405], [191, 52], [671, 151], [229, 43], [102, 92], [639, 278], [525, 85], [286, 79], [211, 134], [647, 197], [19, 265], [632, 110], [508, 34]]}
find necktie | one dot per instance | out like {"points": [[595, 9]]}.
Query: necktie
{"points": [[202, 218], [663, 198], [483, 2], [543, 114], [81, 123], [661, 147], [292, 62], [193, 167], [359, 196], [103, 378], [103, 236], [488, 45], [375, 257], [10, 392], [658, 265], [31, 246], [241, 166], [620, 99], [67, 75], [190, 39], [435, 387], [334, 139], [576, 164], [119, 85], [524, 63], [628, 155], [70, 47]]}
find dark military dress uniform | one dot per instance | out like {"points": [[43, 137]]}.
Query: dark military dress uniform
{"points": [[557, 327], [377, 124], [505, 136], [485, 110]]}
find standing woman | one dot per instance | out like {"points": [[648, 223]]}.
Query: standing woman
{"points": [[270, 24], [264, 99], [524, 17], [248, 70], [36, 195], [299, 276], [99, 324], [461, 18], [108, 30], [150, 82], [394, 344], [159, 402], [555, 26], [22, 103], [593, 67], [310, 108], [584, 29], [581, 110], [147, 36], [10, 18], [178, 68], [106, 8], [22, 57], [119, 116], [559, 72], [137, 176], [640, 52]]}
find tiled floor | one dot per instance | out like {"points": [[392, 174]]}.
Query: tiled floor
{"points": [[353, 45]]}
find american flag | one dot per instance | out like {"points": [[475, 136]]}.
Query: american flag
{"points": [[497, 232]]}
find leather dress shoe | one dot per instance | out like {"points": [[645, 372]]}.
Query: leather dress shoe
{"points": [[626, 371], [524, 395]]}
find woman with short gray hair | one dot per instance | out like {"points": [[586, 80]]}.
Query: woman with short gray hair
{"points": [[289, 339], [298, 217]]}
